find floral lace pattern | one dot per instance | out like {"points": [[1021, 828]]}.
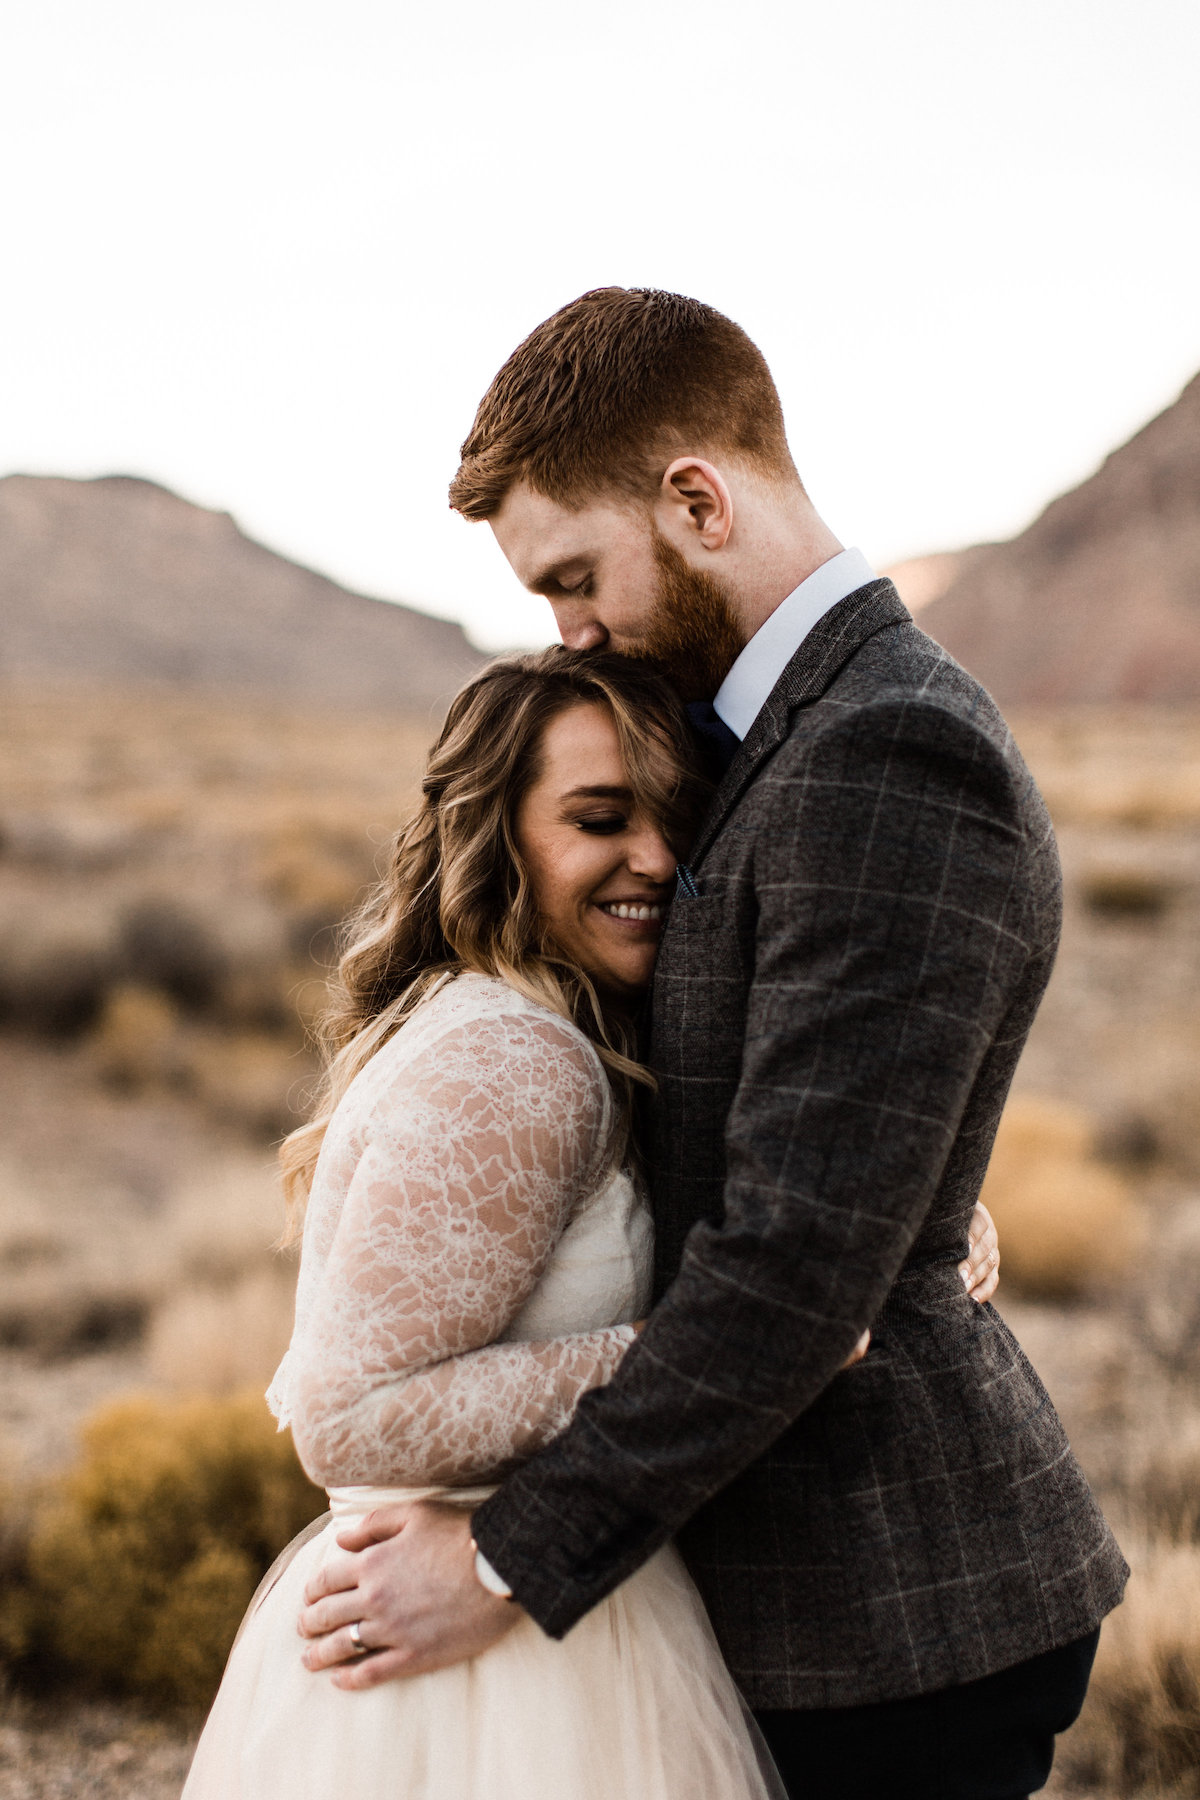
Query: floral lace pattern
{"points": [[471, 1255]]}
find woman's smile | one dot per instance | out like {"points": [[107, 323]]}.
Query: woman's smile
{"points": [[634, 912], [601, 869]]}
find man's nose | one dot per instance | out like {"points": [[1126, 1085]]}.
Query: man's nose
{"points": [[578, 630]]}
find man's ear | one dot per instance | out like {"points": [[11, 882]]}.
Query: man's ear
{"points": [[696, 501]]}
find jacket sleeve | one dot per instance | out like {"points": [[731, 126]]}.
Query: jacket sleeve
{"points": [[889, 873]]}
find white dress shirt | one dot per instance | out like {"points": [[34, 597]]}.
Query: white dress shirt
{"points": [[743, 693]]}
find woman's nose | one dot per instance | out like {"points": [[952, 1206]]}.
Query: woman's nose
{"points": [[651, 856]]}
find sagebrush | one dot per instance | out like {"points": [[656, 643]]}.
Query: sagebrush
{"points": [[143, 1557]]}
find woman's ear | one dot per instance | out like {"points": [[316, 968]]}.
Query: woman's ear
{"points": [[696, 503]]}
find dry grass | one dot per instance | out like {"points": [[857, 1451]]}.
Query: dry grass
{"points": [[85, 1268], [1134, 766], [221, 1219], [1134, 1422], [1160, 1063], [215, 1340], [1167, 1485], [171, 872], [63, 1292], [1139, 1734], [90, 774], [223, 1322], [1066, 1220]]}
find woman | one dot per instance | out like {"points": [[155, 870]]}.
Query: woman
{"points": [[476, 1255]]}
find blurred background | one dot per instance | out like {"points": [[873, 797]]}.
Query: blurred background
{"points": [[261, 262]]}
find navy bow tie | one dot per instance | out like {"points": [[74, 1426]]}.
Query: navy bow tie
{"points": [[720, 745]]}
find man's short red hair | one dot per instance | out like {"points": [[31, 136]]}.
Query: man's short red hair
{"points": [[608, 391]]}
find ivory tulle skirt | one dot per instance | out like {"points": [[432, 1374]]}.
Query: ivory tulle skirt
{"points": [[634, 1704]]}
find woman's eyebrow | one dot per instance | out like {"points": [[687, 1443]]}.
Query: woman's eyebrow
{"points": [[598, 793]]}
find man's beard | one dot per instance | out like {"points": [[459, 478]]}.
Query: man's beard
{"points": [[692, 629]]}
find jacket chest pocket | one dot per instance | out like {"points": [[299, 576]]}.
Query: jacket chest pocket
{"points": [[698, 930]]}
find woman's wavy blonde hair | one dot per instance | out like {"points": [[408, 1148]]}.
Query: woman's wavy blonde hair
{"points": [[456, 895]]}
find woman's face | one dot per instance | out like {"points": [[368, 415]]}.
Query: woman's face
{"points": [[602, 871]]}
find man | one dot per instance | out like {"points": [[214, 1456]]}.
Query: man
{"points": [[903, 1563]]}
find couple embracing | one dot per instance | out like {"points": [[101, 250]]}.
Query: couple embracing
{"points": [[671, 1455]]}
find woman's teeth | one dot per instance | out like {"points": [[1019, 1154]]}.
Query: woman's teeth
{"points": [[619, 910]]}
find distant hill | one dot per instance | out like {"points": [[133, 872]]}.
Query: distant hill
{"points": [[120, 581], [923, 579], [1099, 600]]}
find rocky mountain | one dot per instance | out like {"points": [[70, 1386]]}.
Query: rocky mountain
{"points": [[1099, 599], [119, 581]]}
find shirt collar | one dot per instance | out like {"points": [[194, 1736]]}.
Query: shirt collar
{"points": [[743, 693]]}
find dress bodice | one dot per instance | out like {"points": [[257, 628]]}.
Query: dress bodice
{"points": [[600, 1271]]}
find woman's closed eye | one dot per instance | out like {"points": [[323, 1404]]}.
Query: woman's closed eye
{"points": [[603, 824]]}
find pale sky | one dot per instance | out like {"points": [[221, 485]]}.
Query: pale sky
{"points": [[270, 252]]}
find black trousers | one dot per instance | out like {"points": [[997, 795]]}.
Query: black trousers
{"points": [[986, 1740]]}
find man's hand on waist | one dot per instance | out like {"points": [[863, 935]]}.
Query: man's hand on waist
{"points": [[406, 1578]]}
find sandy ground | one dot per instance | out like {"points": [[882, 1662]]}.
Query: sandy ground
{"points": [[88, 1752]]}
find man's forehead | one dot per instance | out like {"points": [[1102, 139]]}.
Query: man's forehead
{"points": [[538, 534]]}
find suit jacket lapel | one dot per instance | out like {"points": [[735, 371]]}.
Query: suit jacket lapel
{"points": [[827, 648]]}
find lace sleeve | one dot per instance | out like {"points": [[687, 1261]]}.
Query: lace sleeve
{"points": [[473, 1161]]}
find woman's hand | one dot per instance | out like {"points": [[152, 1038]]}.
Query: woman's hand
{"points": [[981, 1271]]}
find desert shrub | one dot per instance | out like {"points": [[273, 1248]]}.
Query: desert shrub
{"points": [[1139, 1733], [55, 961], [142, 1041], [1065, 1218], [259, 996], [1160, 1078], [1129, 1140], [143, 1558], [55, 1318], [164, 945], [1125, 893], [138, 1041], [16, 1618], [315, 875]]}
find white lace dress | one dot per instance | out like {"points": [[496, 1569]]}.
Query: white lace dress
{"points": [[473, 1255]]}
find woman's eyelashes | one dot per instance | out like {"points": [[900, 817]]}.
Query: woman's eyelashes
{"points": [[603, 824]]}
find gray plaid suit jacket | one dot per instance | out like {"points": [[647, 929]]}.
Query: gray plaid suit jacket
{"points": [[837, 1013]]}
